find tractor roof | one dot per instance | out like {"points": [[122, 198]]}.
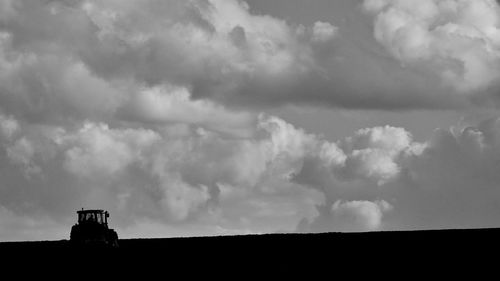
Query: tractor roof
{"points": [[82, 211]]}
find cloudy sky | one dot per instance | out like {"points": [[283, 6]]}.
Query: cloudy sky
{"points": [[215, 117]]}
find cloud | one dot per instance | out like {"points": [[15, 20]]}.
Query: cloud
{"points": [[449, 181], [94, 59], [21, 153], [360, 214], [455, 176], [372, 152], [98, 150], [372, 155], [187, 176], [351, 216], [172, 175], [9, 126], [174, 105], [181, 200], [457, 40], [323, 31], [357, 169]]}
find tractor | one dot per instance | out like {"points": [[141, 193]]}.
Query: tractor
{"points": [[92, 230]]}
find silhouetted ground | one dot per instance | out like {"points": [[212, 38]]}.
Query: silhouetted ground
{"points": [[376, 252]]}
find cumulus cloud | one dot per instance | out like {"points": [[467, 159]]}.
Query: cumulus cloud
{"points": [[351, 216], [113, 53], [22, 153], [372, 155], [174, 105], [96, 149], [9, 126], [361, 214], [323, 31], [169, 174], [189, 175], [209, 47], [455, 176], [175, 174], [372, 152], [449, 181], [458, 40]]}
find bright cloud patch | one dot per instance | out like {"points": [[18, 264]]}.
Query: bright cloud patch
{"points": [[458, 40], [350, 216], [359, 215], [323, 31]]}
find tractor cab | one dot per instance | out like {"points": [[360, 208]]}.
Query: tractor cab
{"points": [[93, 216]]}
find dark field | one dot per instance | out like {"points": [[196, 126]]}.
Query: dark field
{"points": [[422, 250]]}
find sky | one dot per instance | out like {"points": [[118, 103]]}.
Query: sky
{"points": [[230, 117]]}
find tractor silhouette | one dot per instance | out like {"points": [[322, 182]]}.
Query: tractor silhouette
{"points": [[92, 230]]}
